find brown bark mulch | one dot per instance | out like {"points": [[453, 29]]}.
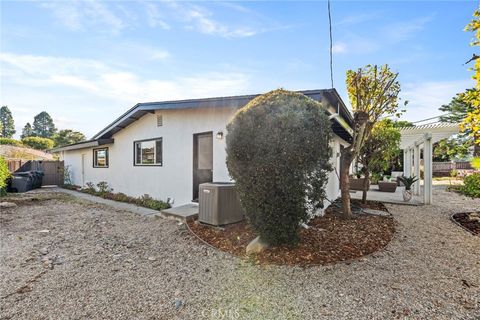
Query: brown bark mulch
{"points": [[469, 221], [329, 239]]}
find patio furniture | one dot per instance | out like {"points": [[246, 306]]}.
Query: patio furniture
{"points": [[387, 186], [357, 184]]}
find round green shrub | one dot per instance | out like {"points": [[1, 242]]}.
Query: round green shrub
{"points": [[38, 143], [471, 185], [10, 142], [278, 153]]}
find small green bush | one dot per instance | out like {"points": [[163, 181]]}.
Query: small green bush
{"points": [[102, 189], [4, 175], [278, 153], [471, 186], [10, 142], [148, 202], [38, 143], [90, 188]]}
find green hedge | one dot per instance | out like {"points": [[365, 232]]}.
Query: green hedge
{"points": [[10, 142], [278, 153], [4, 174], [38, 143]]}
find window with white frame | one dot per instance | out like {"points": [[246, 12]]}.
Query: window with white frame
{"points": [[148, 152], [100, 158]]}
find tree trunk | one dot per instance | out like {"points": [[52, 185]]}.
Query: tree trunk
{"points": [[366, 183], [476, 146], [345, 184]]}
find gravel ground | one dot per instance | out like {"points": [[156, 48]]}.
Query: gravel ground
{"points": [[96, 262]]}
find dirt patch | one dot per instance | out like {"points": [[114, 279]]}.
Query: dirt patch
{"points": [[328, 239], [469, 221]]}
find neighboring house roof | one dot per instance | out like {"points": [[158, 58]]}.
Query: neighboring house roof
{"points": [[341, 118], [438, 131]]}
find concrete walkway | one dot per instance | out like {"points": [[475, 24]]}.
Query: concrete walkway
{"points": [[115, 204], [387, 197]]}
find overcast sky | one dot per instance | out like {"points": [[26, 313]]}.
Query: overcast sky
{"points": [[87, 62]]}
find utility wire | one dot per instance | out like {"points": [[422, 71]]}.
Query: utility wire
{"points": [[426, 119], [331, 42]]}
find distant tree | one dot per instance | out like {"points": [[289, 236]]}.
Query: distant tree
{"points": [[456, 110], [402, 124], [43, 125], [455, 148], [7, 123], [373, 93], [67, 136], [38, 143], [27, 131], [380, 149]]}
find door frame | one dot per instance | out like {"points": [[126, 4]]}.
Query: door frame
{"points": [[83, 169], [195, 160]]}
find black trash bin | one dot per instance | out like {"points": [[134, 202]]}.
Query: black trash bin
{"points": [[38, 178], [22, 181]]}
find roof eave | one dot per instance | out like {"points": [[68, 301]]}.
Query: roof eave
{"points": [[82, 145]]}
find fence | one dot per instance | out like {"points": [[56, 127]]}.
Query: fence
{"points": [[53, 170], [14, 165], [444, 168]]}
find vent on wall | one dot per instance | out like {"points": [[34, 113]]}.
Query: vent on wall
{"points": [[159, 120]]}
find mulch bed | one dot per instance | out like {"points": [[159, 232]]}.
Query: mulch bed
{"points": [[469, 221], [329, 239]]}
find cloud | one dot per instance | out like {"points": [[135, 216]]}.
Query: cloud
{"points": [[89, 14], [71, 88], [199, 18], [401, 31], [357, 18], [339, 47], [389, 35], [154, 17], [426, 97]]}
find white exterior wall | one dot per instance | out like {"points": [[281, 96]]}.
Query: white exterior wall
{"points": [[175, 178], [333, 186]]}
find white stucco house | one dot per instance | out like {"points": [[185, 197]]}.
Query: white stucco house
{"points": [[166, 149]]}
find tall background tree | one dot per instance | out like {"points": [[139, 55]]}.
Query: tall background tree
{"points": [[471, 123], [456, 111], [43, 125], [27, 131], [7, 124], [67, 136], [373, 93], [379, 151], [456, 148]]}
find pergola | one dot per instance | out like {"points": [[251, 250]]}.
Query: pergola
{"points": [[413, 140]]}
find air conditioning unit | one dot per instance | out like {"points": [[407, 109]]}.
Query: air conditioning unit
{"points": [[219, 204]]}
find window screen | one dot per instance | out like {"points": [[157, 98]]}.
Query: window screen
{"points": [[100, 158], [148, 152]]}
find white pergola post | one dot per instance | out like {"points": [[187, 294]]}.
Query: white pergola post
{"points": [[416, 168], [427, 165], [407, 165]]}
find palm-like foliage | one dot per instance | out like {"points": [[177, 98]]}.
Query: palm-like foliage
{"points": [[408, 181]]}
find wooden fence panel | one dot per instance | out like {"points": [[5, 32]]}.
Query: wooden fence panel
{"points": [[14, 165], [449, 166], [53, 172]]}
